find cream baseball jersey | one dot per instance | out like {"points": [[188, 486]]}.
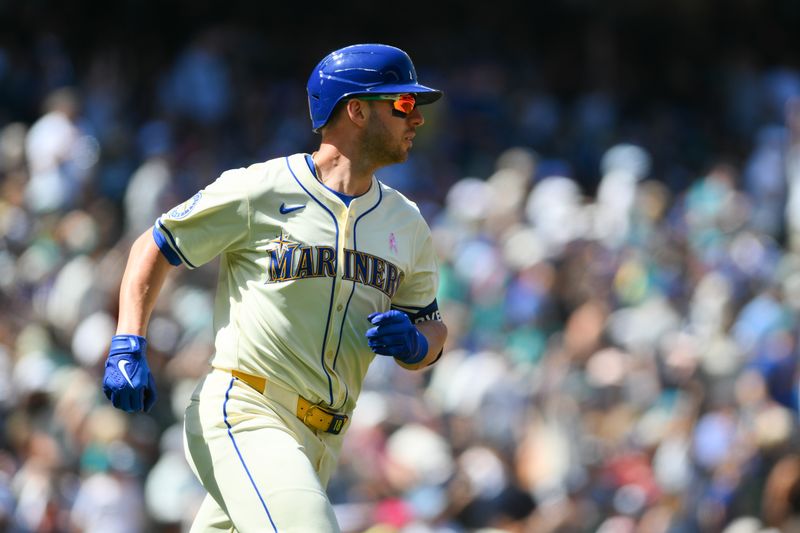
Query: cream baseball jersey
{"points": [[300, 271]]}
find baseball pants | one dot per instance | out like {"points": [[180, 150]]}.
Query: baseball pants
{"points": [[264, 470]]}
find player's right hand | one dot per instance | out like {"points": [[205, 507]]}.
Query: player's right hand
{"points": [[127, 380]]}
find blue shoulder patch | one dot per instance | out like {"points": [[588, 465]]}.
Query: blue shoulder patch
{"points": [[182, 210]]}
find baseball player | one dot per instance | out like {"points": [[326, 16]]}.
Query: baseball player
{"points": [[321, 267]]}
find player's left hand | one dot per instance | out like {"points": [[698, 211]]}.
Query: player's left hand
{"points": [[127, 380], [395, 335]]}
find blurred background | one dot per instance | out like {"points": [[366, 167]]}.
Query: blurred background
{"points": [[614, 192]]}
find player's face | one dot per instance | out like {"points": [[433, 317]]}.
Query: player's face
{"points": [[390, 133]]}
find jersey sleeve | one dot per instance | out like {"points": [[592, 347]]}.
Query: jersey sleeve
{"points": [[416, 295], [213, 221]]}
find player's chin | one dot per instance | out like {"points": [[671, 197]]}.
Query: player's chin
{"points": [[397, 156], [405, 149]]}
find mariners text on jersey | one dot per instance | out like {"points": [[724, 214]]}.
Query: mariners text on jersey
{"points": [[291, 261]]}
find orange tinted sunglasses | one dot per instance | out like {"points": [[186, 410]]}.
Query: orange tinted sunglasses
{"points": [[404, 103]]}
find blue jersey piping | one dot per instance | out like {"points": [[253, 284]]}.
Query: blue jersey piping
{"points": [[166, 250], [333, 283], [173, 243], [353, 286]]}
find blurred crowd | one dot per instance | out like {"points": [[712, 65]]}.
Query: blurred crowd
{"points": [[620, 278]]}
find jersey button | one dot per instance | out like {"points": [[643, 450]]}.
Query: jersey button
{"points": [[339, 307]]}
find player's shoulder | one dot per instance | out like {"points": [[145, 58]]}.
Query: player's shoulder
{"points": [[266, 169], [396, 200], [262, 175]]}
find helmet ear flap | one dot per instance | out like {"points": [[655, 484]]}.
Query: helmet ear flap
{"points": [[362, 69], [338, 109]]}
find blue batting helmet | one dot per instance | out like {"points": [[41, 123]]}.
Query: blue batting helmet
{"points": [[362, 69]]}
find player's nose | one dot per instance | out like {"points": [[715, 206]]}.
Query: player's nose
{"points": [[416, 118]]}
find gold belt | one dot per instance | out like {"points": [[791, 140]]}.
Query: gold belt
{"points": [[313, 415]]}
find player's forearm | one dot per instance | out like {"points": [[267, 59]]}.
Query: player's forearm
{"points": [[435, 333], [144, 276]]}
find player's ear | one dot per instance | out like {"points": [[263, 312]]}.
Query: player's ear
{"points": [[358, 111]]}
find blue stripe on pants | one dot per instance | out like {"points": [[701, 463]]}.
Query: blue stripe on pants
{"points": [[233, 440]]}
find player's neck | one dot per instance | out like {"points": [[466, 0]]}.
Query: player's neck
{"points": [[339, 172]]}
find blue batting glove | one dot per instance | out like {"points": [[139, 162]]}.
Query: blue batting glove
{"points": [[127, 381], [395, 335]]}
